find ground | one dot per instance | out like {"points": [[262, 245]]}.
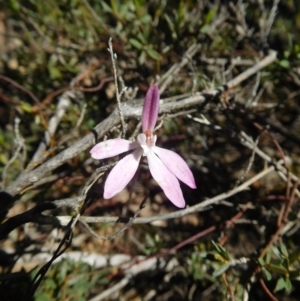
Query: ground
{"points": [[229, 77]]}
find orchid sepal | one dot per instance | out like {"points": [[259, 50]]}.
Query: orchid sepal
{"points": [[112, 147], [122, 173], [150, 109], [166, 180], [176, 165]]}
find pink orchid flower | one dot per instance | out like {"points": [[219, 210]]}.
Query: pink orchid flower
{"points": [[165, 166]]}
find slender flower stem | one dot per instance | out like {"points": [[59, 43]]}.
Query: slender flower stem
{"points": [[113, 60]]}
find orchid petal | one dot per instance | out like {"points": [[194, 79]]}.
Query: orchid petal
{"points": [[176, 165], [111, 148], [122, 173], [166, 180], [150, 109]]}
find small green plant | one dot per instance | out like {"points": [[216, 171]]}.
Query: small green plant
{"points": [[153, 244], [279, 264], [70, 280]]}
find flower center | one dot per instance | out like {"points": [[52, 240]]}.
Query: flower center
{"points": [[149, 138], [146, 140]]}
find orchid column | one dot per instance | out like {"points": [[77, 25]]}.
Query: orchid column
{"points": [[165, 166]]}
